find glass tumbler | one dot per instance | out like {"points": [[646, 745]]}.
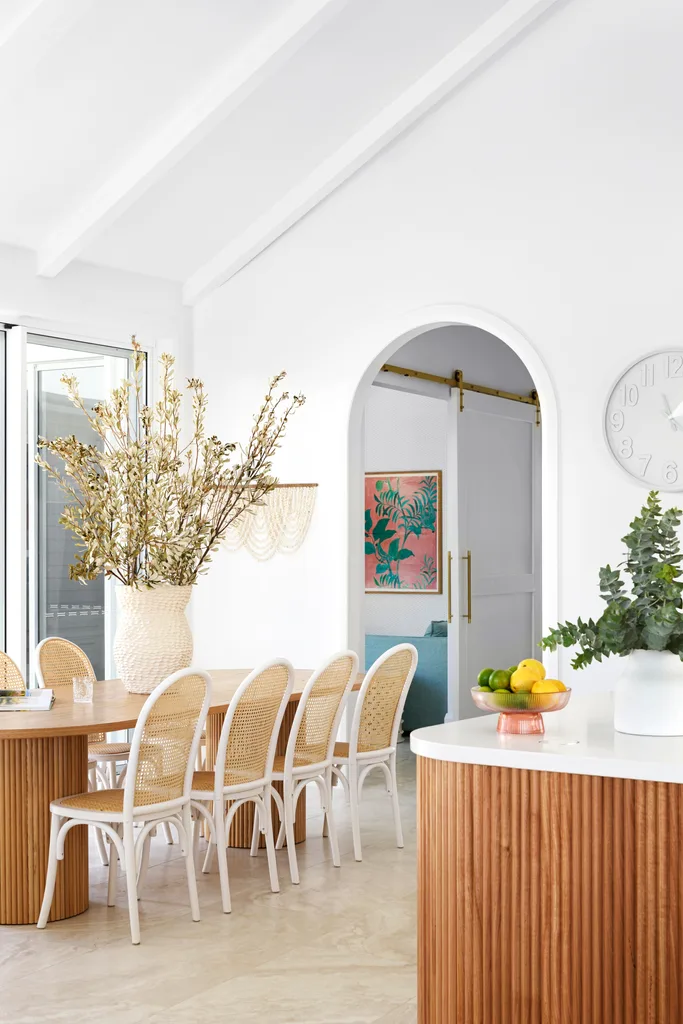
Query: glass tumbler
{"points": [[82, 689]]}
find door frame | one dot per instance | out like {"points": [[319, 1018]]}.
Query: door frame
{"points": [[384, 339]]}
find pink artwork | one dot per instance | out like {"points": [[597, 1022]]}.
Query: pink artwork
{"points": [[403, 532]]}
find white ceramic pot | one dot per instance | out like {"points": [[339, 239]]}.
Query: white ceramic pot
{"points": [[649, 695], [153, 637]]}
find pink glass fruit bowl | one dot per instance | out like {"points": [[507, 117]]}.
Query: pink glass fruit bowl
{"points": [[520, 714]]}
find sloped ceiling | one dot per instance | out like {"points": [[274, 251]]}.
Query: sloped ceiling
{"points": [[178, 138]]}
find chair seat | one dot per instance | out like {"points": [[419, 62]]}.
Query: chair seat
{"points": [[341, 753], [299, 762], [109, 801], [108, 748], [204, 782]]}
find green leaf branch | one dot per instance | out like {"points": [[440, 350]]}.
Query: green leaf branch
{"points": [[645, 615]]}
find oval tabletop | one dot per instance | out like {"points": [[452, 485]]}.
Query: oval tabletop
{"points": [[114, 708]]}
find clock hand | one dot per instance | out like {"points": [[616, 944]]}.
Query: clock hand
{"points": [[668, 413]]}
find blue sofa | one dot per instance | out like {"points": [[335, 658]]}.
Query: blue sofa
{"points": [[427, 701]]}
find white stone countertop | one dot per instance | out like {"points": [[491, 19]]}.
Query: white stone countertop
{"points": [[580, 740]]}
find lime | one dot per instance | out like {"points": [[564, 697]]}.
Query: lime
{"points": [[484, 676], [500, 679], [486, 689], [513, 668]]}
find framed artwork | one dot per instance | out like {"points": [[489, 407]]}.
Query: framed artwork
{"points": [[403, 549]]}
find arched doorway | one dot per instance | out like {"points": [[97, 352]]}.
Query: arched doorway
{"points": [[385, 339]]}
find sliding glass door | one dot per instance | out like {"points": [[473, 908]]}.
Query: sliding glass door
{"points": [[58, 606]]}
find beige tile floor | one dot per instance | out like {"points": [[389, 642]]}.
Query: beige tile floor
{"points": [[337, 949]]}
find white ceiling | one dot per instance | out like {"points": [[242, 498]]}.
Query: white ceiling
{"points": [[179, 137]]}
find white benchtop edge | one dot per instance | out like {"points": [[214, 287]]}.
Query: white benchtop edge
{"points": [[580, 740]]}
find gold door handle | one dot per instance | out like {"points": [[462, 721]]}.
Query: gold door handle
{"points": [[468, 558], [450, 608]]}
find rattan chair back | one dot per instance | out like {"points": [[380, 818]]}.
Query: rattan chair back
{"points": [[57, 662], [166, 739], [10, 675], [320, 709], [252, 723], [381, 700]]}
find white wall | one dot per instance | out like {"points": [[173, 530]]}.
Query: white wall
{"points": [[547, 191], [403, 431], [96, 303]]}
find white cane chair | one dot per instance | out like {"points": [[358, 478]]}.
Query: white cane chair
{"points": [[57, 662], [10, 674], [157, 788], [374, 733], [244, 766], [309, 751]]}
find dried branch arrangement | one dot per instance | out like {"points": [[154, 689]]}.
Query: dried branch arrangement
{"points": [[144, 507]]}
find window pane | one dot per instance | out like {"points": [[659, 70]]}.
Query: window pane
{"points": [[58, 606], [66, 607]]}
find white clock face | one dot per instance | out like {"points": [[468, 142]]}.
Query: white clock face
{"points": [[644, 421]]}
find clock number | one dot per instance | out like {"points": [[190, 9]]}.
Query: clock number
{"points": [[647, 374], [645, 460], [626, 450], [629, 394], [671, 472], [617, 420], [674, 366]]}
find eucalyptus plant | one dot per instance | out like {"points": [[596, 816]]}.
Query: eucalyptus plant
{"points": [[144, 507], [648, 615]]}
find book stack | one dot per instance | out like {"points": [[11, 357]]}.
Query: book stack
{"points": [[26, 700]]}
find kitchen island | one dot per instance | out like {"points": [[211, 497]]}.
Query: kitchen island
{"points": [[550, 872]]}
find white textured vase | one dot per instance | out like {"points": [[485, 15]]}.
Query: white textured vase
{"points": [[649, 695], [153, 637]]}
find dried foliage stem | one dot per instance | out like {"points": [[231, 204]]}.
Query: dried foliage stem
{"points": [[143, 508]]}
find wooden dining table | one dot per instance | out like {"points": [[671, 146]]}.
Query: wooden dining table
{"points": [[44, 755]]}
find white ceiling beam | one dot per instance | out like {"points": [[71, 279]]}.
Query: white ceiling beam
{"points": [[479, 47], [260, 59]]}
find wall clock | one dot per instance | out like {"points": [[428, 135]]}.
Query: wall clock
{"points": [[644, 420]]}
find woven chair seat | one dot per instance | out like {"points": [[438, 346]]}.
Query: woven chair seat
{"points": [[300, 761], [105, 800], [108, 748], [204, 781], [341, 750]]}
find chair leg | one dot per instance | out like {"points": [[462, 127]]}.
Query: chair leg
{"points": [[329, 818], [289, 816], [394, 802], [113, 871], [111, 774], [102, 847], [131, 882], [168, 834], [51, 876], [222, 853], [189, 862], [256, 829], [144, 864], [270, 843], [208, 856], [355, 812]]}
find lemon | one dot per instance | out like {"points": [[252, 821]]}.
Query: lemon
{"points": [[534, 666], [548, 686], [522, 680]]}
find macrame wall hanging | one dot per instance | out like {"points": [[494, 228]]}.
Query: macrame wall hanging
{"points": [[279, 526]]}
